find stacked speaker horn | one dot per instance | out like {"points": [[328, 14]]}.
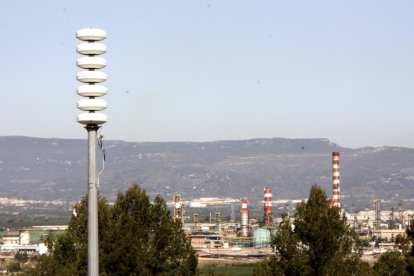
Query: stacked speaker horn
{"points": [[91, 90], [92, 120]]}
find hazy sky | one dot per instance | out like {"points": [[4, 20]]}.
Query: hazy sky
{"points": [[215, 70]]}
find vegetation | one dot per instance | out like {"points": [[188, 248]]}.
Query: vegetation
{"points": [[13, 267], [319, 243], [234, 270], [136, 237], [21, 257], [17, 217]]}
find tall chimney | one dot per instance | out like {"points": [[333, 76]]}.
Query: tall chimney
{"points": [[244, 218], [182, 213], [177, 207], [378, 214], [336, 184], [195, 223], [218, 221], [402, 220], [74, 210], [267, 206]]}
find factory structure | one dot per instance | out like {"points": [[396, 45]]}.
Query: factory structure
{"points": [[29, 240], [248, 233]]}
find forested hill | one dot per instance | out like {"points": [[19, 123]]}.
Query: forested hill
{"points": [[37, 168]]}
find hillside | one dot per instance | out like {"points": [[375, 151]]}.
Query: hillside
{"points": [[36, 168]]}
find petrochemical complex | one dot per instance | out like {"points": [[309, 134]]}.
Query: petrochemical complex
{"points": [[248, 237]]}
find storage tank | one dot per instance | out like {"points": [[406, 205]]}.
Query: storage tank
{"points": [[261, 238]]}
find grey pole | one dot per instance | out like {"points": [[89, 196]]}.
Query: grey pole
{"points": [[93, 253], [92, 120]]}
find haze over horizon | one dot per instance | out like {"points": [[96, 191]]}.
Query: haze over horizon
{"points": [[216, 70], [212, 141]]}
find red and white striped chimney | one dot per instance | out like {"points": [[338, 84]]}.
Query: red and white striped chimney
{"points": [[74, 210], [267, 205], [177, 207], [335, 180], [244, 218]]}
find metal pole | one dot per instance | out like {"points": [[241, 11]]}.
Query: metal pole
{"points": [[93, 253]]}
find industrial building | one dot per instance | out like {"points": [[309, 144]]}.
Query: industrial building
{"points": [[252, 234], [31, 240]]}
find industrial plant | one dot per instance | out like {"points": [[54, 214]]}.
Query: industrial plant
{"points": [[216, 233], [252, 238]]}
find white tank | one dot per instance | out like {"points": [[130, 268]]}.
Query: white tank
{"points": [[91, 63], [92, 118], [91, 34], [92, 105], [91, 49], [91, 90], [91, 76]]}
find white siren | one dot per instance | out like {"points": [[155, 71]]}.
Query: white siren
{"points": [[91, 76], [92, 118], [92, 105], [91, 63], [91, 90], [91, 34], [91, 49]]}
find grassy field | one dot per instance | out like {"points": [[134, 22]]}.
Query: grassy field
{"points": [[240, 270], [225, 268]]}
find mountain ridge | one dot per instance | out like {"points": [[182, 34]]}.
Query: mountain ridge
{"points": [[55, 168]]}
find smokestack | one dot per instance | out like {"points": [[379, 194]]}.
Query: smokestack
{"points": [[182, 213], [378, 214], [336, 184], [74, 210], [218, 222], [177, 207], [244, 218], [402, 220], [195, 223], [267, 206]]}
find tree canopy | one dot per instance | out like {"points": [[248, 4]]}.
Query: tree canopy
{"points": [[318, 242], [136, 237]]}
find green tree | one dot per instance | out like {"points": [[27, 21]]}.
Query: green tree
{"points": [[391, 263], [352, 265], [402, 243], [318, 243], [13, 267], [21, 257], [268, 266], [410, 236], [136, 237]]}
